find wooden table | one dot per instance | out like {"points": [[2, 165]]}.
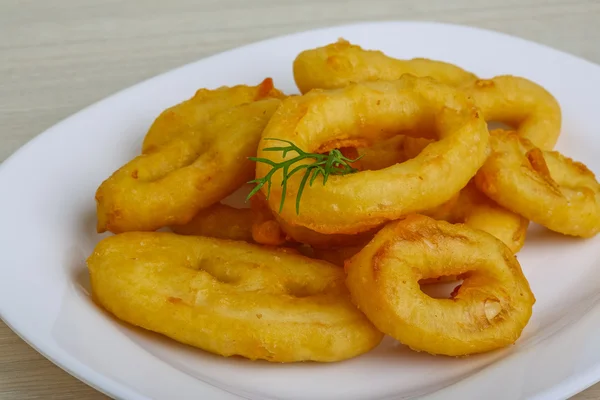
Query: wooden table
{"points": [[59, 56]]}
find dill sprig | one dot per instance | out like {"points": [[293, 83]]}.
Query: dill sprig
{"points": [[332, 163]]}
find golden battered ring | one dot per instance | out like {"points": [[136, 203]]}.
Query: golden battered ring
{"points": [[543, 186], [360, 115], [488, 311]]}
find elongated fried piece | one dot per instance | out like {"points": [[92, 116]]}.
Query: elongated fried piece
{"points": [[339, 64], [488, 311], [205, 104], [230, 298], [193, 171], [219, 221]]}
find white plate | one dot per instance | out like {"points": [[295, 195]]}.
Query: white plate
{"points": [[47, 209]]}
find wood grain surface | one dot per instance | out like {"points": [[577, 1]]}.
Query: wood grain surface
{"points": [[59, 56]]}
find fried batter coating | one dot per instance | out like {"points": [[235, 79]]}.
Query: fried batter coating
{"points": [[363, 114], [230, 298], [193, 171], [220, 221], [543, 186], [206, 103], [469, 206], [339, 64], [526, 106], [473, 208], [265, 228], [488, 311]]}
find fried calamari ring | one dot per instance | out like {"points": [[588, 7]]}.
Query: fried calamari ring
{"points": [[220, 221], [469, 206], [543, 186], [230, 298], [339, 64], [360, 115], [522, 104], [193, 171], [195, 111], [489, 310]]}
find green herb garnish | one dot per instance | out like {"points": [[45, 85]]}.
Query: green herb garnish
{"points": [[332, 163]]}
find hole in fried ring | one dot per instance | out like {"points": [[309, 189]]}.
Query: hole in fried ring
{"points": [[374, 111], [520, 103]]}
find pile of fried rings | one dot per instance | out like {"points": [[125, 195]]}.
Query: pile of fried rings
{"points": [[379, 178]]}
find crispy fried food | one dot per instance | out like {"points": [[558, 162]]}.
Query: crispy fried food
{"points": [[230, 298], [193, 171], [220, 221], [339, 64], [265, 228], [358, 116], [473, 208], [336, 256], [271, 230], [487, 312], [522, 104], [469, 206], [318, 240], [543, 186], [204, 105], [383, 154], [480, 212]]}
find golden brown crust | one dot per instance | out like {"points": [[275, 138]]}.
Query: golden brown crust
{"points": [[543, 186], [520, 103], [205, 104], [219, 221], [341, 63], [193, 171], [371, 112], [488, 311], [230, 298]]}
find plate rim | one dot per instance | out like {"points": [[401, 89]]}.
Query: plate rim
{"points": [[114, 389]]}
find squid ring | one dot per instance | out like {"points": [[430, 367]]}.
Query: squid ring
{"points": [[544, 186], [339, 64], [197, 169], [469, 206], [526, 106], [488, 311], [230, 298], [362, 114], [176, 120]]}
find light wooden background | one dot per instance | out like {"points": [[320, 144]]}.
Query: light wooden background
{"points": [[59, 56]]}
